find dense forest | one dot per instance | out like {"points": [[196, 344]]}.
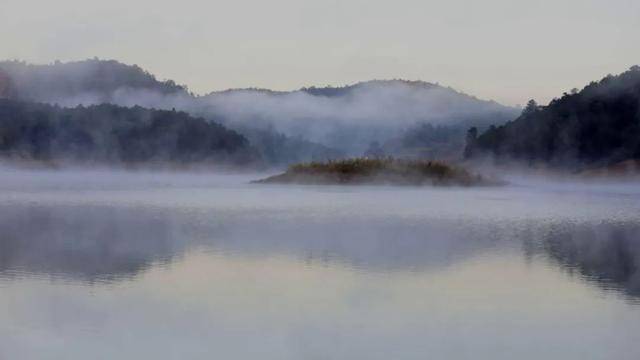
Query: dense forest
{"points": [[599, 125], [112, 134], [6, 86], [93, 82]]}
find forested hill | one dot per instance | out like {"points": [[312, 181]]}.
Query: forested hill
{"points": [[111, 134], [6, 85], [599, 125], [315, 123], [92, 82], [95, 80]]}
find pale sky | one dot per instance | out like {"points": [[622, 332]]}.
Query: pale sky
{"points": [[506, 50]]}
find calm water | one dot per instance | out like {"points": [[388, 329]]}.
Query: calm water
{"points": [[99, 265]]}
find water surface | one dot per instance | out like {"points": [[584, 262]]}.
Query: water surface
{"points": [[107, 265]]}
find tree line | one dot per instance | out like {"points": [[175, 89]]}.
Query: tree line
{"points": [[598, 125], [109, 133]]}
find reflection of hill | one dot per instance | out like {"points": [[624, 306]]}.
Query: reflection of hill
{"points": [[108, 243], [83, 243], [91, 243], [608, 254]]}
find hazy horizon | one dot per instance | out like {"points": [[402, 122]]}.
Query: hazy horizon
{"points": [[508, 51]]}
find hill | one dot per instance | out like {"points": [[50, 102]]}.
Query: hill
{"points": [[596, 126], [111, 134], [6, 86], [87, 82], [93, 82], [349, 118], [314, 120]]}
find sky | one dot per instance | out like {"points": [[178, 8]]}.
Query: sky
{"points": [[505, 50]]}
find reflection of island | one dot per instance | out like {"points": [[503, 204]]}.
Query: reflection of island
{"points": [[608, 254]]}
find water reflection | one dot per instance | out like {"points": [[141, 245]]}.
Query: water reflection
{"points": [[84, 243], [239, 272], [103, 243], [607, 254], [110, 243]]}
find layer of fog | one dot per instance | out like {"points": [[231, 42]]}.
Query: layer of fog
{"points": [[531, 197], [347, 118], [18, 179], [375, 111]]}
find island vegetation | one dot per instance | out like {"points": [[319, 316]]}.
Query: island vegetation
{"points": [[377, 171]]}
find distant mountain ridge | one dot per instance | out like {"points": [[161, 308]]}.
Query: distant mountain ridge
{"points": [[99, 77], [104, 77], [351, 89], [338, 91], [353, 116], [342, 119]]}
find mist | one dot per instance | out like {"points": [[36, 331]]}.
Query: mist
{"points": [[382, 228], [347, 118], [291, 180], [371, 111]]}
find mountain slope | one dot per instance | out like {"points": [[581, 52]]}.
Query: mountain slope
{"points": [[112, 134], [596, 126], [6, 85], [81, 82], [93, 82]]}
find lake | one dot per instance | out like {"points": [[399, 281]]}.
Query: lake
{"points": [[116, 265]]}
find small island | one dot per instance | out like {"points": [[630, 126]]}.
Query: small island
{"points": [[378, 171]]}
